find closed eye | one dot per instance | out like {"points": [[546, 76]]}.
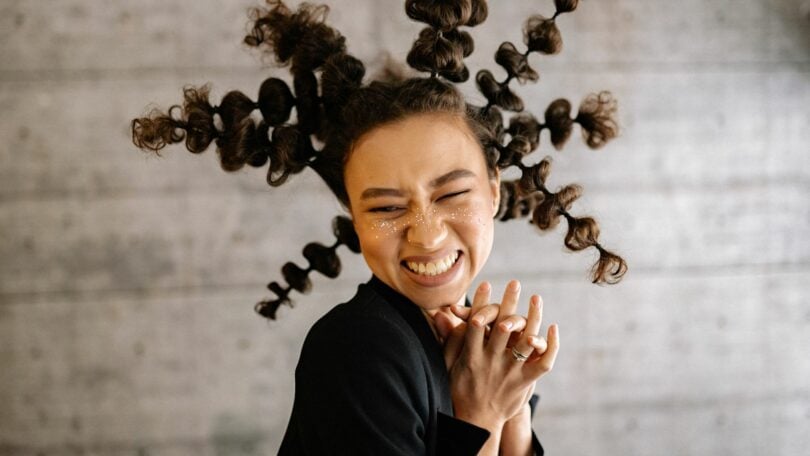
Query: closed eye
{"points": [[385, 209], [450, 195]]}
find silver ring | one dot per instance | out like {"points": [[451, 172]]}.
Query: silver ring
{"points": [[520, 357]]}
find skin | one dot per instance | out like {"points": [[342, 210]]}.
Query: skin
{"points": [[412, 218], [419, 190]]}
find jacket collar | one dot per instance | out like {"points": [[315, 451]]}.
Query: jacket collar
{"points": [[434, 350]]}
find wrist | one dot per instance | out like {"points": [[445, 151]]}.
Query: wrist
{"points": [[516, 438], [491, 424], [522, 419]]}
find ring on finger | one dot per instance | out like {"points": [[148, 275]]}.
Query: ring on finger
{"points": [[519, 357]]}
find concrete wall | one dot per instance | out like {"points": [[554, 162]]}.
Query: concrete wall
{"points": [[127, 281]]}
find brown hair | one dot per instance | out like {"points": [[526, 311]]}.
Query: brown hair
{"points": [[335, 107]]}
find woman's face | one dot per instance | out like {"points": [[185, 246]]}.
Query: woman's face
{"points": [[423, 206]]}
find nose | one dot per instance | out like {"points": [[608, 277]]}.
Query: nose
{"points": [[426, 230]]}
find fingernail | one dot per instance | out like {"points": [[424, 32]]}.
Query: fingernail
{"points": [[507, 325], [479, 321]]}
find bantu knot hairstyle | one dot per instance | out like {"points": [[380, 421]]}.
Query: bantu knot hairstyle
{"points": [[335, 107], [441, 48], [297, 39], [528, 195], [320, 258], [541, 35]]}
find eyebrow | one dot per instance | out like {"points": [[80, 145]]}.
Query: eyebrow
{"points": [[376, 192]]}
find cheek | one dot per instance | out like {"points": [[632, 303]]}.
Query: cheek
{"points": [[381, 230], [378, 239], [473, 222]]}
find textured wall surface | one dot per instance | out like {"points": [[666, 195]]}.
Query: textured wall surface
{"points": [[127, 281]]}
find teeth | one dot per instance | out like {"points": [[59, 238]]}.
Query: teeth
{"points": [[432, 269]]}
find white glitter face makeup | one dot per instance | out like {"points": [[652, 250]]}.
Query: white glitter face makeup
{"points": [[423, 205]]}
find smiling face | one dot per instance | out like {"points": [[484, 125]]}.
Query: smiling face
{"points": [[423, 205]]}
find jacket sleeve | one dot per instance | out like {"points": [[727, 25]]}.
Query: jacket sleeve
{"points": [[459, 438], [361, 390], [536, 446]]}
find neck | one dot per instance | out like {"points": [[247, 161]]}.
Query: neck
{"points": [[430, 314]]}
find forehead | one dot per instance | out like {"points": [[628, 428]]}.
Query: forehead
{"points": [[414, 149]]}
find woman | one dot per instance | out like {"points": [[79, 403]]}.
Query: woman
{"points": [[403, 367], [372, 373]]}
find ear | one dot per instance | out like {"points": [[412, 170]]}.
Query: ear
{"points": [[495, 187]]}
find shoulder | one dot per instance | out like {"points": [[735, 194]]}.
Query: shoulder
{"points": [[366, 322], [363, 349], [361, 384]]}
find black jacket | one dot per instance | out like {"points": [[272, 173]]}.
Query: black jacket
{"points": [[371, 380]]}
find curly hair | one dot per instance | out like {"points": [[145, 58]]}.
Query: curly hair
{"points": [[336, 107]]}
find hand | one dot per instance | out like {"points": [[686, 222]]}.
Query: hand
{"points": [[489, 386], [451, 324]]}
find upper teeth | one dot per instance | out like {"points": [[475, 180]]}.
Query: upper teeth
{"points": [[434, 268]]}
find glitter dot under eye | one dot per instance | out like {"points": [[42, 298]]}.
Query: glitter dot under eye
{"points": [[384, 227]]}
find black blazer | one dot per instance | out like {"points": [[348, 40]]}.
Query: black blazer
{"points": [[371, 380]]}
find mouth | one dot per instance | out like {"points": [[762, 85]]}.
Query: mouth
{"points": [[433, 268], [434, 273]]}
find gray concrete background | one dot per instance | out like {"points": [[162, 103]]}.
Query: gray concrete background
{"points": [[127, 281]]}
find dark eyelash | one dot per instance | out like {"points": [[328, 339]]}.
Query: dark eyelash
{"points": [[385, 209], [450, 195], [397, 208]]}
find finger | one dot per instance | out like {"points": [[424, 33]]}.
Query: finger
{"points": [[514, 338], [545, 362], [481, 297], [510, 300], [538, 347], [445, 322], [486, 315], [501, 331], [533, 321], [476, 330], [535, 316], [454, 344], [461, 312]]}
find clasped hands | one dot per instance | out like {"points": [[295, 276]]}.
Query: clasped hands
{"points": [[484, 348]]}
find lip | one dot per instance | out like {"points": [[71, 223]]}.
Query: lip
{"points": [[437, 280]]}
